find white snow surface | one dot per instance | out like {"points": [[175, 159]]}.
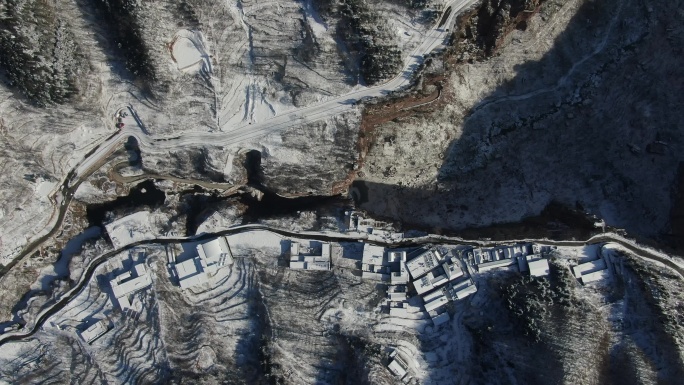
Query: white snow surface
{"points": [[132, 228]]}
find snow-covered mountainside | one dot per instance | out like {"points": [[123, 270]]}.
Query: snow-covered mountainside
{"points": [[195, 65], [341, 192]]}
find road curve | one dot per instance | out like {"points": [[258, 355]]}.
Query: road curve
{"points": [[434, 38]]}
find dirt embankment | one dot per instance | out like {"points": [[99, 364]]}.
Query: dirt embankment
{"points": [[480, 32]]}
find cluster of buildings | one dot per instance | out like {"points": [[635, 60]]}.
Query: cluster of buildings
{"points": [[436, 278], [308, 258], [123, 287], [528, 257], [379, 265], [211, 256], [439, 279]]}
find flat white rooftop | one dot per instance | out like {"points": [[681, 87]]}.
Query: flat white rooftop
{"points": [[127, 285], [452, 270], [189, 273], [494, 264], [423, 263], [539, 267], [375, 276], [400, 277], [399, 312], [595, 276], [215, 254], [466, 291], [436, 303], [95, 331], [397, 367], [373, 255], [461, 289], [397, 256], [589, 267]]}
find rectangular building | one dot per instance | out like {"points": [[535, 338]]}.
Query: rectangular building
{"points": [[466, 291], [538, 266], [95, 331], [452, 269], [214, 254], [595, 276], [423, 263], [494, 264], [398, 366], [125, 284], [399, 311], [461, 289], [299, 261], [436, 303], [589, 267], [190, 273]]}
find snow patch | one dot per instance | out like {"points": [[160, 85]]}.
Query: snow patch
{"points": [[189, 53], [130, 229]]}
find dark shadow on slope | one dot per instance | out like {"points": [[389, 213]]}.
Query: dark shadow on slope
{"points": [[585, 144], [117, 30], [415, 209], [576, 127], [145, 194], [573, 128], [253, 349]]}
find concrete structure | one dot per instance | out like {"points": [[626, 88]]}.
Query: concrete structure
{"points": [[494, 264], [589, 267], [440, 319], [374, 264], [397, 260], [446, 272], [595, 276], [423, 263], [301, 259], [465, 291], [461, 289], [190, 273], [396, 293], [214, 254], [592, 271], [211, 256], [399, 310], [452, 269], [95, 331], [379, 265], [398, 365], [127, 284], [437, 302], [538, 266], [429, 282]]}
